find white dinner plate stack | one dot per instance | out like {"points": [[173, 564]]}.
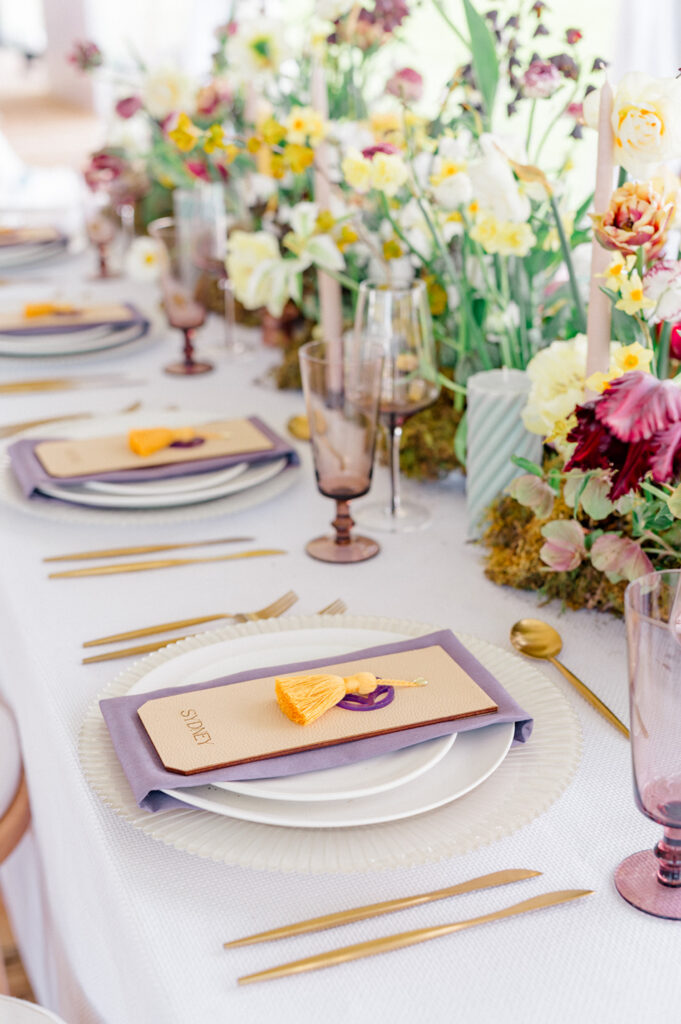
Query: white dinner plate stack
{"points": [[184, 496], [25, 254]]}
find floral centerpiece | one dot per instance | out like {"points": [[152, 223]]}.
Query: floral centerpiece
{"points": [[605, 506]]}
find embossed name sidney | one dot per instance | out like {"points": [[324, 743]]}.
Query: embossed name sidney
{"points": [[199, 732]]}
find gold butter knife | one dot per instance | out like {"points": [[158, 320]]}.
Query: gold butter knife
{"points": [[143, 549], [165, 563], [412, 938], [22, 387], [317, 924]]}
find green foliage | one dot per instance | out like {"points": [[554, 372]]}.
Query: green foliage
{"points": [[483, 53]]}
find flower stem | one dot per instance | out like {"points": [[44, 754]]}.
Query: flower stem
{"points": [[565, 248]]}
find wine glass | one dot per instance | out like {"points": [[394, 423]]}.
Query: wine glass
{"points": [[342, 389], [180, 305], [399, 320], [102, 227], [651, 880]]}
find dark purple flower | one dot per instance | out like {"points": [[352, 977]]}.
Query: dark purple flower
{"points": [[596, 446], [599, 65], [573, 35], [665, 462], [541, 30], [85, 56], [632, 471], [637, 405], [567, 66], [128, 106]]}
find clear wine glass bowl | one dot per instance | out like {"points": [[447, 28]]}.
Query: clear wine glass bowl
{"points": [[398, 319], [651, 880], [341, 396]]}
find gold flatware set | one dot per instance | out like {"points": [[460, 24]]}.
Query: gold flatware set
{"points": [[163, 563], [402, 939], [270, 611], [47, 384]]}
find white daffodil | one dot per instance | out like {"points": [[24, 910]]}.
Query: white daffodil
{"points": [[257, 49], [449, 181], [145, 259], [246, 252], [309, 245], [494, 186]]}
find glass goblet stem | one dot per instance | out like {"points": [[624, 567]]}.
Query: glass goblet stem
{"points": [[102, 253], [343, 523], [188, 348], [668, 853], [395, 442]]}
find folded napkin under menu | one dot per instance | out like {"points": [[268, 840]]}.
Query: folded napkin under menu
{"points": [[118, 315], [262, 444], [148, 777]]}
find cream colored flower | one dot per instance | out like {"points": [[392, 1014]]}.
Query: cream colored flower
{"points": [[388, 173], [509, 238], [357, 171], [494, 185], [246, 251], [449, 180], [645, 120], [167, 91], [305, 126]]}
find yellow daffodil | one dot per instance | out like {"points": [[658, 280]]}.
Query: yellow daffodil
{"points": [[253, 144], [599, 381], [347, 237], [447, 169], [633, 357], [214, 139], [392, 250], [304, 124], [619, 269], [633, 300], [500, 236], [325, 221], [185, 134], [272, 132], [298, 158], [231, 152]]}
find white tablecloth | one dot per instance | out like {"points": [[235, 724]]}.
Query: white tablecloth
{"points": [[117, 928]]}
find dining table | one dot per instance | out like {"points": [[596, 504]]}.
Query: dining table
{"points": [[116, 927]]}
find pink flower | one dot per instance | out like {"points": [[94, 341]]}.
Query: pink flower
{"points": [[532, 492], [541, 80], [675, 341], [406, 84], [128, 106], [198, 170], [576, 111], [637, 405], [665, 461], [86, 56], [381, 147], [564, 549], [104, 168], [573, 35], [620, 558], [211, 97]]}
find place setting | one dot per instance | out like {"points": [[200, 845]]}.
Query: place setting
{"points": [[267, 740], [24, 246], [163, 465]]}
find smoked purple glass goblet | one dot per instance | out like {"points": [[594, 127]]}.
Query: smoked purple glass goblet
{"points": [[651, 880]]}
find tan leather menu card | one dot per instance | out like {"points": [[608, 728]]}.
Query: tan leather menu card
{"points": [[233, 724], [108, 454], [110, 313]]}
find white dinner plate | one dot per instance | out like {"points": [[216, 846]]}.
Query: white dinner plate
{"points": [[471, 760], [449, 777], [78, 494], [530, 778], [77, 343], [21, 255], [349, 781], [172, 485]]}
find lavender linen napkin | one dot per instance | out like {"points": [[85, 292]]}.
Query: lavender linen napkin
{"points": [[147, 776], [33, 330], [30, 473]]}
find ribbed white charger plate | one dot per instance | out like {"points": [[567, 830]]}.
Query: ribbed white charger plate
{"points": [[531, 778]]}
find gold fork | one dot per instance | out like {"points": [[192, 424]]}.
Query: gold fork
{"points": [[282, 604], [336, 607]]}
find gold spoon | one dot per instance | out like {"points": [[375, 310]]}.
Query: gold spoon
{"points": [[536, 639]]}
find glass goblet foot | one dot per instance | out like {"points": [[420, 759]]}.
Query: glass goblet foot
{"points": [[343, 547], [189, 367]]}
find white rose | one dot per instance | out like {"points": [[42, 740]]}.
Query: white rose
{"points": [[645, 120], [167, 91]]}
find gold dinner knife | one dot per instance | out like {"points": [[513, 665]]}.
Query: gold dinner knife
{"points": [[412, 938], [165, 563], [143, 549], [317, 924]]}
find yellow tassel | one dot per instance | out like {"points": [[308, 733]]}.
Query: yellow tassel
{"points": [[304, 699]]}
